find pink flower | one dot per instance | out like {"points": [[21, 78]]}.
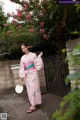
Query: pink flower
{"points": [[45, 36], [31, 30], [24, 8], [5, 24], [17, 35], [19, 13], [26, 4], [9, 31], [14, 22], [42, 24], [42, 30], [42, 14], [19, 26], [29, 17], [8, 15], [15, 16]]}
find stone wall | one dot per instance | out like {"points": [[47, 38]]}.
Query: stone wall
{"points": [[9, 76], [70, 45]]}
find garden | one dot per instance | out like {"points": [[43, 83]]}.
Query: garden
{"points": [[46, 25]]}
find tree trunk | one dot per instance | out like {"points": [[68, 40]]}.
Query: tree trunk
{"points": [[59, 32]]}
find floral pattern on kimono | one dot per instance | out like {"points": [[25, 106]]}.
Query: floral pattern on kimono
{"points": [[29, 66]]}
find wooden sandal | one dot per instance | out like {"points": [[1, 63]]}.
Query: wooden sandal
{"points": [[30, 110]]}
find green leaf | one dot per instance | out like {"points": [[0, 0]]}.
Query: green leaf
{"points": [[74, 76], [76, 50]]}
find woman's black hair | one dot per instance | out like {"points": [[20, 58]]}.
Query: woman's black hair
{"points": [[25, 44]]}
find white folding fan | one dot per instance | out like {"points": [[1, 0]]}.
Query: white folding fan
{"points": [[18, 88]]}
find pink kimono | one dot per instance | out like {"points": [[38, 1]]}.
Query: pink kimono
{"points": [[29, 66]]}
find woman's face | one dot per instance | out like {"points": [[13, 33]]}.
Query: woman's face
{"points": [[24, 49]]}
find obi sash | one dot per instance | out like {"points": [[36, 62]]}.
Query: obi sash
{"points": [[31, 66]]}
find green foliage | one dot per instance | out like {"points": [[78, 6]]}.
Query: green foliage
{"points": [[77, 7], [53, 15], [3, 18], [74, 57], [70, 106], [75, 76]]}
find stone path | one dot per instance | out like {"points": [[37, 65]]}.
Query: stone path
{"points": [[15, 105]]}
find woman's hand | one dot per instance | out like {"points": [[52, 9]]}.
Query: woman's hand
{"points": [[23, 79], [20, 82]]}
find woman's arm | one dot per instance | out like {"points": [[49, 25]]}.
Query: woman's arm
{"points": [[22, 70], [38, 62]]}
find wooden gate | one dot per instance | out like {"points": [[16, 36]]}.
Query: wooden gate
{"points": [[56, 69]]}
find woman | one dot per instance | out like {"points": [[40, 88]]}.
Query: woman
{"points": [[29, 73]]}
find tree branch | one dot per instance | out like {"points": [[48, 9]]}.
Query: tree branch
{"points": [[4, 53]]}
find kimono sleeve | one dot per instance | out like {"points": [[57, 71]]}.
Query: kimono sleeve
{"points": [[38, 62], [21, 70]]}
